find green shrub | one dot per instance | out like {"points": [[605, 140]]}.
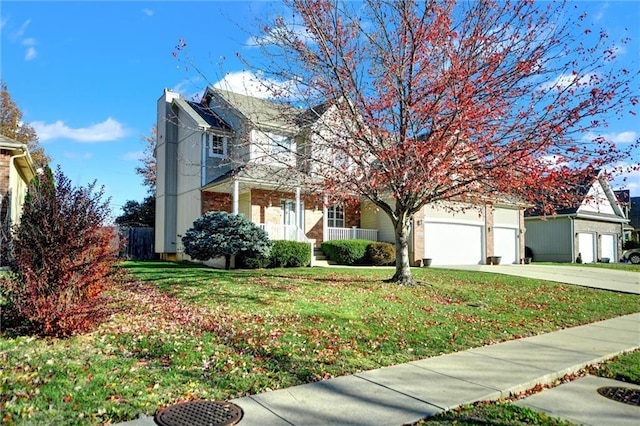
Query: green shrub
{"points": [[283, 254], [290, 254], [381, 253], [628, 245], [346, 252], [252, 261], [218, 234]]}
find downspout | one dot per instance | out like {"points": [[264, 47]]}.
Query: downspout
{"points": [[573, 240]]}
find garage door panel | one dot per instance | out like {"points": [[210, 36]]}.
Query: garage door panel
{"points": [[505, 244], [586, 246], [608, 249], [453, 244]]}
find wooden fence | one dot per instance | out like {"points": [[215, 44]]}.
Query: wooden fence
{"points": [[138, 243]]}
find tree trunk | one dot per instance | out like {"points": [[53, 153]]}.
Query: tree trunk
{"points": [[403, 266], [227, 262]]}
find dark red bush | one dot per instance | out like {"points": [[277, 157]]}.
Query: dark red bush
{"points": [[63, 256]]}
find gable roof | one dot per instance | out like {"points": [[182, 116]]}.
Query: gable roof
{"points": [[209, 116], [260, 112], [596, 200]]}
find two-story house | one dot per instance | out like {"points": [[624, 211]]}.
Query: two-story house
{"points": [[235, 153]]}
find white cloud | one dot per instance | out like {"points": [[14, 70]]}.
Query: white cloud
{"points": [[626, 176], [251, 84], [20, 31], [617, 138], [108, 130], [29, 41], [78, 156], [189, 88], [565, 80], [131, 156], [30, 54], [147, 12]]}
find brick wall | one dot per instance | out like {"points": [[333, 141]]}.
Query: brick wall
{"points": [[5, 157], [216, 201], [488, 226]]}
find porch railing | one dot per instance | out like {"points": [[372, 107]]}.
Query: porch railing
{"points": [[354, 233]]}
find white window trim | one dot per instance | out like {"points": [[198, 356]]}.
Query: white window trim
{"points": [[333, 212], [208, 142]]}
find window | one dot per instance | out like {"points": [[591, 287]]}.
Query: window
{"points": [[216, 144], [335, 216], [279, 143]]}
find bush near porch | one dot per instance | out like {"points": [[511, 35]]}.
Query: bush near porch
{"points": [[284, 254], [359, 252]]}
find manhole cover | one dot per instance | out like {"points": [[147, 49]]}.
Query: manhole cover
{"points": [[627, 395], [200, 413]]}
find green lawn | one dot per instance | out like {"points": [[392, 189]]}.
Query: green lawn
{"points": [[181, 332]]}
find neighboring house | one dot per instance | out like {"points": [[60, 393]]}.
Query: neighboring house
{"points": [[232, 152], [16, 171], [593, 229], [627, 205]]}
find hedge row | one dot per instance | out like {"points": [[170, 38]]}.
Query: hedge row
{"points": [[283, 254], [359, 252]]}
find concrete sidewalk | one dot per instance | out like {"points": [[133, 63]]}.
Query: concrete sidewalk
{"points": [[602, 278], [406, 393]]}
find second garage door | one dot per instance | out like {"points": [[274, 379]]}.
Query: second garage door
{"points": [[505, 244], [453, 243]]}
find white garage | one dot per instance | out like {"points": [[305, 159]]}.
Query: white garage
{"points": [[587, 247], [505, 244], [449, 243]]}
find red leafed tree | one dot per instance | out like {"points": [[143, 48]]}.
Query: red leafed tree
{"points": [[450, 100]]}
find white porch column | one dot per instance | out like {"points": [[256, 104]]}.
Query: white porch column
{"points": [[325, 212], [298, 212], [236, 196]]}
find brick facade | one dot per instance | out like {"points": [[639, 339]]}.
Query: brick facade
{"points": [[215, 201], [5, 158], [488, 226]]}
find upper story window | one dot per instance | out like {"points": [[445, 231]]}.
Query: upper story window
{"points": [[216, 145], [280, 143]]}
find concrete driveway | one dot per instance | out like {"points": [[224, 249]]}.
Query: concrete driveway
{"points": [[607, 279]]}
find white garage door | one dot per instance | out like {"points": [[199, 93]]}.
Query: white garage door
{"points": [[505, 244], [586, 247], [608, 248], [453, 244]]}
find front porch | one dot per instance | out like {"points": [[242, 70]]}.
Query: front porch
{"points": [[287, 215]]}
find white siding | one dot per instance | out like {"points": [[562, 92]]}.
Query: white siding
{"points": [[372, 217], [596, 201], [506, 216]]}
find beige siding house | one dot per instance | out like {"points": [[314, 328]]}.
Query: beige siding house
{"points": [[234, 153], [16, 171]]}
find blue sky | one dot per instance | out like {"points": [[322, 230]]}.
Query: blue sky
{"points": [[87, 74]]}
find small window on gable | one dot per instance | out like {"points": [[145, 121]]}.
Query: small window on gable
{"points": [[216, 144]]}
